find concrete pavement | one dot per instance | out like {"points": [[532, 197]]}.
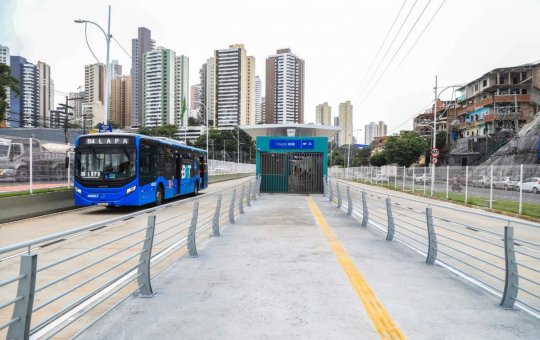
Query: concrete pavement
{"points": [[277, 273]]}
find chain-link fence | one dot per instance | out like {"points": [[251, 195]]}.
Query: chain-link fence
{"points": [[32, 165], [512, 188]]}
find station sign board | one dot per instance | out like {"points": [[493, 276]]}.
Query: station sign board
{"points": [[302, 144]]}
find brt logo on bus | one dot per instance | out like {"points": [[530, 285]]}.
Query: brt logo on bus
{"points": [[186, 169]]}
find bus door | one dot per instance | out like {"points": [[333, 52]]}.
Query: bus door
{"points": [[202, 171], [187, 172], [178, 171]]}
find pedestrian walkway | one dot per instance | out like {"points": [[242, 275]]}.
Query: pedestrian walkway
{"points": [[296, 267]]}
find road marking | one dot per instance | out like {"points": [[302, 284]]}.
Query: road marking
{"points": [[381, 319]]}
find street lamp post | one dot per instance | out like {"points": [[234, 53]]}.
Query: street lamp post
{"points": [[108, 37], [207, 127]]}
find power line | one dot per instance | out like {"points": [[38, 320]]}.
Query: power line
{"points": [[421, 34], [388, 48], [395, 53], [122, 47], [425, 107], [382, 45]]}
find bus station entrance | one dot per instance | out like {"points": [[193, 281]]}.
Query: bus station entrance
{"points": [[292, 164]]}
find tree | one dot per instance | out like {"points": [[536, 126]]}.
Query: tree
{"points": [[378, 159], [6, 81], [361, 158], [226, 139], [336, 158], [192, 121], [405, 150]]}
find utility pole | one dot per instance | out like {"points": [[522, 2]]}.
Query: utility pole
{"points": [[66, 107], [434, 142]]}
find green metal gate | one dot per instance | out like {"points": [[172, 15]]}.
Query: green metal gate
{"points": [[293, 172]]}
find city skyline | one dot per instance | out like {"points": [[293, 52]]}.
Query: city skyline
{"points": [[333, 74]]}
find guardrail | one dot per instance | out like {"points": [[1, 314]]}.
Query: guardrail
{"points": [[511, 188], [500, 254], [96, 266]]}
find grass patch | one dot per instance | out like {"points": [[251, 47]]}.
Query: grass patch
{"points": [[35, 191], [530, 210]]}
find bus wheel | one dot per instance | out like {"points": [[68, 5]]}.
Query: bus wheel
{"points": [[159, 195]]}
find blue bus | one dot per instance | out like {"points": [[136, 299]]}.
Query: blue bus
{"points": [[123, 169]]}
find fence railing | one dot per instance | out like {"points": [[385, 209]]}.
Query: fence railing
{"points": [[512, 188], [66, 281], [500, 254], [48, 170]]}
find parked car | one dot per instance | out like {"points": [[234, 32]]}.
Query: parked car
{"points": [[481, 181], [531, 184], [382, 178], [505, 182], [422, 178]]}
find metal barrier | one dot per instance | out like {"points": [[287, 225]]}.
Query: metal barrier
{"points": [[50, 284], [498, 253]]}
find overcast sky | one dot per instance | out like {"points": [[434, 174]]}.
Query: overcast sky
{"points": [[338, 40]]}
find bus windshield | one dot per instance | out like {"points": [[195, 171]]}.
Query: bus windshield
{"points": [[106, 163]]}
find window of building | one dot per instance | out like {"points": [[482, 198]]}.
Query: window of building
{"points": [[476, 87], [484, 83]]}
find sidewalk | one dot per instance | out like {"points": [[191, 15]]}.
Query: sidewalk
{"points": [[274, 274]]}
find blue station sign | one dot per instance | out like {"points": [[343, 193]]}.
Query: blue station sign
{"points": [[303, 144]]}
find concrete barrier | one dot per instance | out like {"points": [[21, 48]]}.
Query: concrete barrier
{"points": [[19, 207], [26, 206]]}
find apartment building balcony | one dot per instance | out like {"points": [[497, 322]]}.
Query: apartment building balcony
{"points": [[498, 99]]}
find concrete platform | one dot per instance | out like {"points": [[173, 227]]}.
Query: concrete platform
{"points": [[274, 274]]}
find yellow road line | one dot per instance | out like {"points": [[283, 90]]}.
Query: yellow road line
{"points": [[381, 319]]}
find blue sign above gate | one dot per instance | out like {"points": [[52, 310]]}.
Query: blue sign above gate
{"points": [[305, 144]]}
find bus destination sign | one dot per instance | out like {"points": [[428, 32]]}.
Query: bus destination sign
{"points": [[119, 140]]}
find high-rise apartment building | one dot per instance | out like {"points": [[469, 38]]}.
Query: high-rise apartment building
{"points": [[263, 110], [139, 46], [159, 87], [284, 88], [116, 69], [258, 102], [371, 131], [24, 107], [121, 101], [4, 59], [195, 97], [235, 87], [207, 76], [336, 136], [382, 129], [346, 123], [181, 90], [323, 114], [46, 94], [76, 101], [94, 91]]}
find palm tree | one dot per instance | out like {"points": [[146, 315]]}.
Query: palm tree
{"points": [[6, 81]]}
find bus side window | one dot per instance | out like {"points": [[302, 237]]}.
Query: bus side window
{"points": [[148, 162]]}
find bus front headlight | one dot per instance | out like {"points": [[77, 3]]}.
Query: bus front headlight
{"points": [[78, 190], [130, 190]]}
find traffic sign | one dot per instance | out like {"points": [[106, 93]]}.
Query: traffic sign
{"points": [[434, 160], [434, 152]]}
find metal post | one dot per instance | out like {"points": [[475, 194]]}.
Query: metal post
{"points": [[424, 180], [325, 187], [466, 183], [447, 179], [432, 237], [143, 271], [331, 194], [395, 179], [68, 171], [338, 196], [192, 236], [511, 282], [520, 188], [432, 179], [404, 174], [255, 189], [231, 207], [349, 201], [249, 194], [215, 220], [241, 201], [31, 164], [391, 226], [365, 212], [413, 180], [491, 187], [23, 308]]}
